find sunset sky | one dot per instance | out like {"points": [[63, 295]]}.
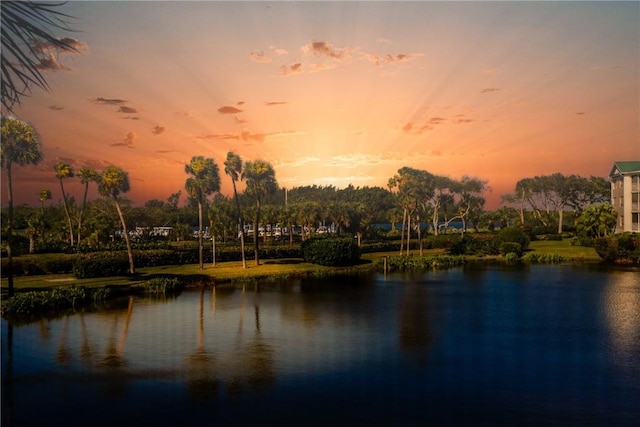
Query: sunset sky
{"points": [[339, 92]]}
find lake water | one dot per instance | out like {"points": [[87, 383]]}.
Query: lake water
{"points": [[480, 345]]}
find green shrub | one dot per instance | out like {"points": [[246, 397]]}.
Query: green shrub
{"points": [[512, 257], [511, 248], [332, 251], [38, 302], [515, 235], [624, 246], [474, 245], [582, 240]]}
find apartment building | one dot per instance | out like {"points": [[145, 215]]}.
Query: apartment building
{"points": [[625, 195]]}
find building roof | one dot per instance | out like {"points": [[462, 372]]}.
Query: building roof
{"points": [[624, 168]]}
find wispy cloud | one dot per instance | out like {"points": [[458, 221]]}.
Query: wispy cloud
{"points": [[298, 162], [270, 103], [127, 110], [355, 160], [55, 107], [158, 130], [316, 68], [287, 70], [128, 141], [228, 109], [50, 59], [217, 136], [490, 89], [109, 101], [72, 45], [51, 63], [378, 60], [244, 135], [259, 56], [322, 48]]}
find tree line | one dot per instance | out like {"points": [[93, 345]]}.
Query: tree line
{"points": [[413, 198]]}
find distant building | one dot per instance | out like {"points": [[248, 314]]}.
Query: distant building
{"points": [[625, 195]]}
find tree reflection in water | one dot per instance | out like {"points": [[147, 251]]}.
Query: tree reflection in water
{"points": [[202, 382], [64, 355], [113, 357], [414, 335]]}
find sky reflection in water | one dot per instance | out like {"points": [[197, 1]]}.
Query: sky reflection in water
{"points": [[543, 345]]}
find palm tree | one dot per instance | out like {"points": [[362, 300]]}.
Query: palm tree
{"points": [[63, 171], [111, 183], [20, 145], [261, 181], [233, 168], [86, 175], [45, 194], [25, 26], [204, 181]]}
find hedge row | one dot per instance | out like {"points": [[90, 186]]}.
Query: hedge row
{"points": [[333, 252]]}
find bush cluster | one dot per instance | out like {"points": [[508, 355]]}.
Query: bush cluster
{"points": [[53, 300], [478, 245], [514, 235], [582, 240], [331, 251], [507, 248], [619, 247]]}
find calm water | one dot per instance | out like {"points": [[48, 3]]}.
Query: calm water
{"points": [[484, 345]]}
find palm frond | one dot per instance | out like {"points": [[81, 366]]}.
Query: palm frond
{"points": [[26, 29]]}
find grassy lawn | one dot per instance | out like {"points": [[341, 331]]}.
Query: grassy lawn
{"points": [[564, 248], [220, 273]]}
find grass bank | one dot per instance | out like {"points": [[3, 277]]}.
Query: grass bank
{"points": [[232, 271]]}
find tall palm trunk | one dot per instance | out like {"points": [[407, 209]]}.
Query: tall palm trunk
{"points": [[9, 270], [81, 214], [255, 234], [408, 232], [66, 211], [132, 268], [240, 224], [404, 223], [200, 246]]}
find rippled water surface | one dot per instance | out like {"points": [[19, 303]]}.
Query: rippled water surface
{"points": [[483, 345]]}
